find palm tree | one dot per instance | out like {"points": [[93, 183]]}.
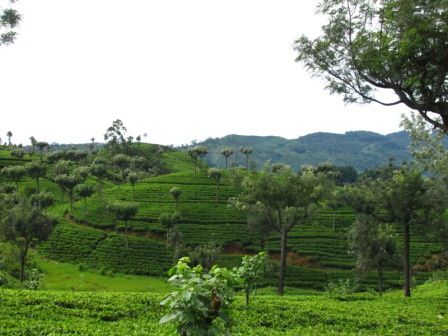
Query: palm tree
{"points": [[246, 150], [227, 152]]}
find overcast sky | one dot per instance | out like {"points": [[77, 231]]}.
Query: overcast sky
{"points": [[177, 70]]}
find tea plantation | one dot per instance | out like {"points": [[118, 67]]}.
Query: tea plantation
{"points": [[318, 250], [82, 313]]}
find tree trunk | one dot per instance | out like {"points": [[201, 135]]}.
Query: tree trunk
{"points": [[85, 208], [247, 162], [282, 271], [380, 279], [247, 295], [406, 264], [126, 242], [226, 162], [217, 192], [22, 262], [38, 185], [133, 192], [71, 200]]}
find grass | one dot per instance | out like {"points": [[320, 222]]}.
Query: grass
{"points": [[67, 277]]}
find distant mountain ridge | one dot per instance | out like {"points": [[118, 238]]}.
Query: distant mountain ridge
{"points": [[360, 149]]}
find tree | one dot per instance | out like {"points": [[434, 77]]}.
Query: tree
{"points": [[373, 245], [403, 199], [116, 135], [22, 225], [9, 20], [14, 173], [259, 223], [173, 235], [289, 200], [246, 150], [122, 162], [68, 183], [369, 46], [41, 145], [175, 193], [33, 143], [227, 152], [133, 179], [92, 144], [194, 156], [124, 211], [216, 175], [201, 152], [9, 135], [37, 171], [98, 168], [251, 271], [84, 191], [42, 200]]}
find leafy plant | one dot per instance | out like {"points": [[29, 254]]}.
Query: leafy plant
{"points": [[200, 305], [252, 270]]}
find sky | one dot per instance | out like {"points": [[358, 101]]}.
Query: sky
{"points": [[176, 70]]}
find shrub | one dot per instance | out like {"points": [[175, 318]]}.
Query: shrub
{"points": [[200, 305]]}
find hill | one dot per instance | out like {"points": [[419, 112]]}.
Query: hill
{"points": [[360, 149], [318, 251]]}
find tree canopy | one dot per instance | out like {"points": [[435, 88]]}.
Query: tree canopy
{"points": [[368, 46]]}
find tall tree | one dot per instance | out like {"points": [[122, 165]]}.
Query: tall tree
{"points": [[123, 211], [22, 225], [201, 153], [122, 162], [400, 46], [133, 179], [373, 245], [41, 145], [227, 152], [246, 150], [84, 190], [403, 198], [9, 135], [33, 143], [175, 193], [194, 156], [216, 175], [288, 198], [36, 170], [14, 173], [259, 223], [68, 183]]}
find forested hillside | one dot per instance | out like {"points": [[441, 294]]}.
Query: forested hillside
{"points": [[360, 149]]}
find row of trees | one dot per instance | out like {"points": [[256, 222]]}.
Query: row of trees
{"points": [[199, 152], [396, 200]]}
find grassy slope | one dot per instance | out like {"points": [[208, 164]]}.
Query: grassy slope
{"points": [[70, 313], [68, 277]]}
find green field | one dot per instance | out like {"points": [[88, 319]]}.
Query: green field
{"points": [[86, 313]]}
